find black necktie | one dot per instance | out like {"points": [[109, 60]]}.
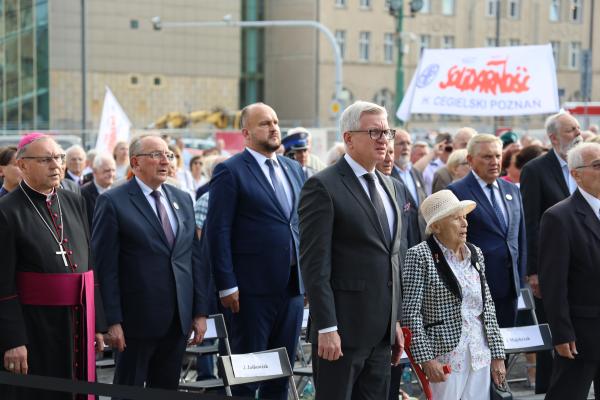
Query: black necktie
{"points": [[497, 209], [279, 192], [378, 205], [163, 218]]}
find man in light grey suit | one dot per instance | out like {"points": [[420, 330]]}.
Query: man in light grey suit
{"points": [[350, 228]]}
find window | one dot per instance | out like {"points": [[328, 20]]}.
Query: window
{"points": [[514, 9], [448, 42], [134, 24], [514, 42], [425, 41], [426, 8], [556, 53], [448, 7], [388, 48], [575, 11], [365, 3], [491, 6], [340, 3], [574, 55], [157, 81], [134, 80], [363, 46], [490, 42], [340, 38], [554, 10]]}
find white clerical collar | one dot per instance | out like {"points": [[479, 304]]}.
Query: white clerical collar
{"points": [[147, 189], [261, 158], [48, 196], [483, 183], [593, 201], [358, 169]]}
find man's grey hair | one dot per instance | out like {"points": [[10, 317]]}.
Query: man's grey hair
{"points": [[480, 138], [135, 146], [552, 123], [350, 120], [75, 148], [575, 155], [103, 159], [91, 154]]}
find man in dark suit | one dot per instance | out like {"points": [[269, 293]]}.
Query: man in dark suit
{"points": [[544, 182], [413, 180], [147, 256], [103, 170], [569, 276], [350, 228], [497, 225], [252, 236], [386, 167]]}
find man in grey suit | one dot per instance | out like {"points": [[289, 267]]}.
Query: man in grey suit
{"points": [[350, 228], [442, 177]]}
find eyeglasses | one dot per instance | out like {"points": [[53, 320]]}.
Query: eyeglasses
{"points": [[157, 155], [58, 158], [377, 134], [595, 165]]}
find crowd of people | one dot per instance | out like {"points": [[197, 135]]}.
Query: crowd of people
{"points": [[136, 249]]}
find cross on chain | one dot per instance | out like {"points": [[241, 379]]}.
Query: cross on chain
{"points": [[62, 253]]}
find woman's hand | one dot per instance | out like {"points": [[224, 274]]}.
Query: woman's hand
{"points": [[498, 371], [434, 371]]}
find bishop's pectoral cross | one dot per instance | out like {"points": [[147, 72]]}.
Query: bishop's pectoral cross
{"points": [[62, 252]]}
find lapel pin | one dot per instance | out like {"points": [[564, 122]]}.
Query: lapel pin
{"points": [[418, 184], [176, 205], [508, 197]]}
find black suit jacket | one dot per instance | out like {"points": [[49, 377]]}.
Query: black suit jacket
{"points": [[416, 229], [542, 186], [569, 274], [89, 192], [352, 276]]}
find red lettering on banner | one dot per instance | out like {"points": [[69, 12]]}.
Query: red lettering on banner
{"points": [[493, 80]]}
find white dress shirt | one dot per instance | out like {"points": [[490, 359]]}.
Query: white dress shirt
{"points": [[564, 167], [497, 195], [163, 199], [409, 181], [593, 201]]}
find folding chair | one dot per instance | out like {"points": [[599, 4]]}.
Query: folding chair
{"points": [[226, 370], [215, 330], [304, 370]]}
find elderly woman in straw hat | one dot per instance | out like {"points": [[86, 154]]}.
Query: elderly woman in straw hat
{"points": [[448, 306]]}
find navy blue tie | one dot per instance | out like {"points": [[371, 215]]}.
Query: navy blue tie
{"points": [[278, 187], [497, 209]]}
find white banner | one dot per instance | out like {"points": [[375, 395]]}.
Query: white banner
{"points": [[114, 124], [489, 81]]}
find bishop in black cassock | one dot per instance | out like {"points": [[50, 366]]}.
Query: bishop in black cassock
{"points": [[51, 334]]}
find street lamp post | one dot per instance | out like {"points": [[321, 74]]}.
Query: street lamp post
{"points": [[229, 23]]}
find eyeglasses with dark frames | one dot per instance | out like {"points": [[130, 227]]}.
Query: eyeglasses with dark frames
{"points": [[58, 158], [377, 134], [157, 155]]}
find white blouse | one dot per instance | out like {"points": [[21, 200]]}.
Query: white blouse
{"points": [[472, 336]]}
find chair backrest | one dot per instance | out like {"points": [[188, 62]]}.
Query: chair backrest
{"points": [[525, 302], [276, 358]]}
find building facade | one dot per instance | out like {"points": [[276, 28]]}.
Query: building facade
{"points": [[150, 72]]}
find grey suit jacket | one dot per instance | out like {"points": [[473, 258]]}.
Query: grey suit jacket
{"points": [[351, 274], [441, 179]]}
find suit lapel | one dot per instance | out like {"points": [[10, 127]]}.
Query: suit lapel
{"points": [[256, 170], [141, 203], [391, 192], [508, 204], [591, 221], [444, 271], [556, 171], [419, 186], [171, 200], [350, 180]]}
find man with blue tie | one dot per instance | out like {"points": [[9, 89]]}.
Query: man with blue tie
{"points": [[252, 236], [497, 226], [147, 256]]}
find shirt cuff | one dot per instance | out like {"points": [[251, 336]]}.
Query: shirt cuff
{"points": [[227, 292], [327, 330]]}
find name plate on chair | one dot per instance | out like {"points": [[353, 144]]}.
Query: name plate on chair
{"points": [[521, 337], [255, 364], [521, 302], [305, 318]]}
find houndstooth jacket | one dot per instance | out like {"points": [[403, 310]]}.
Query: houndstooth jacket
{"points": [[432, 304]]}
